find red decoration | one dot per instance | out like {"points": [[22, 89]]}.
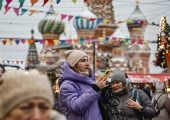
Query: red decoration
{"points": [[45, 1], [50, 42], [4, 42], [91, 19], [8, 1]]}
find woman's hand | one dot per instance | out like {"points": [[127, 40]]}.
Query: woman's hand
{"points": [[133, 104], [101, 82]]}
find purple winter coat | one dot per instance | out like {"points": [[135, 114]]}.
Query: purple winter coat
{"points": [[78, 101]]}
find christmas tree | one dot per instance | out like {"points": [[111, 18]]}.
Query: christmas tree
{"points": [[163, 45], [52, 76]]}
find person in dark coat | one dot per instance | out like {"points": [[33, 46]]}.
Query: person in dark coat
{"points": [[147, 91], [163, 102], [79, 92], [131, 109]]}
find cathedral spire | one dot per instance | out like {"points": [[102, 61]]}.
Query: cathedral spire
{"points": [[137, 2], [32, 56]]}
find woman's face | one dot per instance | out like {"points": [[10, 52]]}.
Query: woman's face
{"points": [[32, 109], [116, 86], [83, 64]]}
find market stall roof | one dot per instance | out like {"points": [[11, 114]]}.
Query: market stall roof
{"points": [[147, 78]]}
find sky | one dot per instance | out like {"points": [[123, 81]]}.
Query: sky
{"points": [[13, 26]]}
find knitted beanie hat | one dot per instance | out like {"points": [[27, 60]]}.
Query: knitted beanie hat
{"points": [[118, 75], [19, 85], [160, 85], [73, 56]]}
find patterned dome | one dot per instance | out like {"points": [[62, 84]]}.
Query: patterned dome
{"points": [[51, 23], [137, 14], [86, 23]]}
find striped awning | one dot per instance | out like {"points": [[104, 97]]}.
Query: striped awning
{"points": [[147, 78]]}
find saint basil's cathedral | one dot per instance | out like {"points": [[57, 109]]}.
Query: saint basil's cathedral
{"points": [[129, 58]]}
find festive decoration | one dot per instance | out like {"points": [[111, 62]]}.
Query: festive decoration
{"points": [[21, 3], [74, 1], [8, 2], [101, 40], [33, 2], [16, 11], [52, 76], [1, 4], [163, 45], [78, 17], [57, 1], [63, 16], [6, 9], [23, 11], [45, 1]]}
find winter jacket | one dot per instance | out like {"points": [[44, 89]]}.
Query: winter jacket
{"points": [[78, 100], [133, 114], [163, 104], [57, 116]]}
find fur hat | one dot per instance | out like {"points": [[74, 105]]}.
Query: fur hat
{"points": [[73, 56], [118, 75], [160, 85], [19, 85]]}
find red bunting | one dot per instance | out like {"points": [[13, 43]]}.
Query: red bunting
{"points": [[50, 42], [45, 1], [69, 41], [91, 19], [120, 22], [63, 16], [140, 41], [8, 1], [141, 22], [116, 42], [4, 42], [6, 9], [23, 41]]}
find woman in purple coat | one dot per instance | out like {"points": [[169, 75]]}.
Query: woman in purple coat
{"points": [[79, 91]]}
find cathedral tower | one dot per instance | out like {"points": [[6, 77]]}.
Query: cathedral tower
{"points": [[51, 28], [139, 54], [103, 9], [32, 56]]}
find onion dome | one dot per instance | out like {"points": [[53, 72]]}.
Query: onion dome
{"points": [[137, 14], [120, 32], [86, 23], [51, 23]]}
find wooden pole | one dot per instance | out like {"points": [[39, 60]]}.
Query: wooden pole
{"points": [[94, 55]]}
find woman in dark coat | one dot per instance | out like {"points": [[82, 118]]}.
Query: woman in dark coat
{"points": [[163, 102], [130, 109]]}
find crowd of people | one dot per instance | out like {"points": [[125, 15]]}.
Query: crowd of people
{"points": [[29, 95]]}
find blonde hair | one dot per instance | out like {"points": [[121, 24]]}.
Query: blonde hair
{"points": [[76, 69]]}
